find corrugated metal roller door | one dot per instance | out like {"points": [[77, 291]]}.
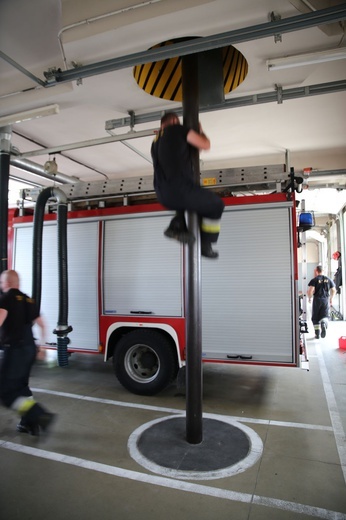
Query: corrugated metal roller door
{"points": [[248, 293], [82, 244], [142, 269]]}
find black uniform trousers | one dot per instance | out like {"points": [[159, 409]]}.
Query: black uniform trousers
{"points": [[15, 371], [193, 198], [190, 197], [320, 309]]}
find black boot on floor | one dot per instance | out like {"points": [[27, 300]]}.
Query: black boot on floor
{"points": [[23, 427], [323, 329], [38, 420]]}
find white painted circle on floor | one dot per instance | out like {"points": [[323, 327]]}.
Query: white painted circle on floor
{"points": [[255, 453]]}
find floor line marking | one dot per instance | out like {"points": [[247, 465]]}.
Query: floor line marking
{"points": [[163, 409], [315, 512], [335, 418]]}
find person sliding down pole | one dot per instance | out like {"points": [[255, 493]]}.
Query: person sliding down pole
{"points": [[175, 186]]}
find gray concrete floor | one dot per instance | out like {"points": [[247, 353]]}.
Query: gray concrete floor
{"points": [[83, 470]]}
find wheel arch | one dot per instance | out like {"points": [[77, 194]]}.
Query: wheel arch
{"points": [[117, 330]]}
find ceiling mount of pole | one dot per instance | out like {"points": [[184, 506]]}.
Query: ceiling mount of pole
{"points": [[163, 78]]}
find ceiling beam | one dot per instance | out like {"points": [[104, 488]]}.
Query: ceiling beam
{"points": [[294, 23], [133, 119], [236, 102]]}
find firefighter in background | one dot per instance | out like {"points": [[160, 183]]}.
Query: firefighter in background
{"points": [[323, 290], [338, 273], [18, 313], [175, 185]]}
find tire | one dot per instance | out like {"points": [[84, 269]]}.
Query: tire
{"points": [[144, 362]]}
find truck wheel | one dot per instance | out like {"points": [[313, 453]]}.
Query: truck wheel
{"points": [[144, 362]]}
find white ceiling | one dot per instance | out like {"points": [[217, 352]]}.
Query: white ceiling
{"points": [[311, 129]]}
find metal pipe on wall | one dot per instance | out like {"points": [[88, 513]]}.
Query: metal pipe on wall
{"points": [[5, 147], [36, 169], [62, 328]]}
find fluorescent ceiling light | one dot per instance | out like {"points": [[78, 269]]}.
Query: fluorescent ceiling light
{"points": [[27, 115], [306, 59]]}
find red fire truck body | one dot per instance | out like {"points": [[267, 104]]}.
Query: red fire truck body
{"points": [[127, 295]]}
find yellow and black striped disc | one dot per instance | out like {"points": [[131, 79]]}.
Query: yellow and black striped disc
{"points": [[163, 78]]}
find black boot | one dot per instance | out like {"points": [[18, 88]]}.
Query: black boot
{"points": [[208, 251], [323, 329], [177, 229], [37, 419], [24, 427]]}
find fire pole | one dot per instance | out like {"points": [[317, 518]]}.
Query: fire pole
{"points": [[194, 429]]}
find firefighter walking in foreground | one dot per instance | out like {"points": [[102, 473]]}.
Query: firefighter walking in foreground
{"points": [[18, 313], [175, 185]]}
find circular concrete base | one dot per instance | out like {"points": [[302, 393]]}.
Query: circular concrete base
{"points": [[227, 448]]}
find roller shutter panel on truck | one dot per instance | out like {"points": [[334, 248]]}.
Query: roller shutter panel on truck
{"points": [[248, 306], [82, 245]]}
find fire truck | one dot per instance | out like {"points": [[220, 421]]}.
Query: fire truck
{"points": [[126, 294]]}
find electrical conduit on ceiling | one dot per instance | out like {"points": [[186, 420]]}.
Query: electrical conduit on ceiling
{"points": [[60, 33], [97, 18]]}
